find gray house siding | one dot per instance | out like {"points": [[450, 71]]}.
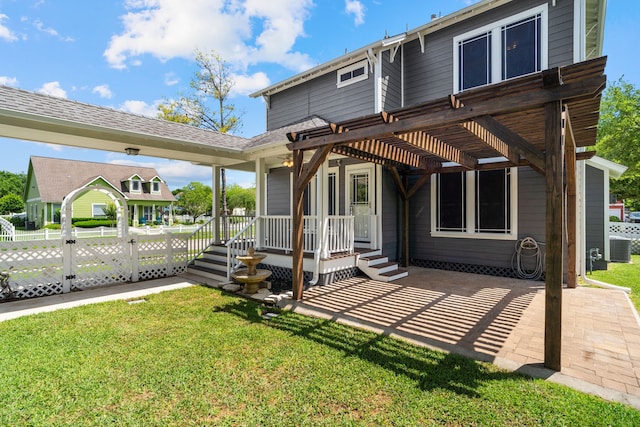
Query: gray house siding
{"points": [[594, 218], [321, 97], [477, 252], [391, 214], [391, 90], [429, 75], [279, 192]]}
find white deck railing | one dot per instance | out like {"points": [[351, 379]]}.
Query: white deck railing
{"points": [[277, 233], [338, 235]]}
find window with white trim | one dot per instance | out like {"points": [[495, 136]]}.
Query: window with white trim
{"points": [[98, 210], [155, 187], [508, 48], [135, 186], [481, 204], [353, 73]]}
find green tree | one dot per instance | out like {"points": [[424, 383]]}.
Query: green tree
{"points": [[208, 106], [619, 137], [111, 212], [12, 183], [11, 203], [194, 199], [239, 197]]}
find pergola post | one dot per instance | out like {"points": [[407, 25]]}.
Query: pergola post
{"points": [[554, 162], [298, 224], [302, 175], [572, 201]]}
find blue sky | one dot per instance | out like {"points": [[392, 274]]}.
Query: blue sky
{"points": [[132, 54]]}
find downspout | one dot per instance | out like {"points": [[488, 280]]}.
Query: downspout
{"points": [[321, 214]]}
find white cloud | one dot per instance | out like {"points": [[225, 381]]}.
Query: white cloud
{"points": [[355, 8], [141, 107], [171, 79], [5, 32], [243, 32], [51, 31], [53, 89], [246, 84], [8, 81], [103, 91]]}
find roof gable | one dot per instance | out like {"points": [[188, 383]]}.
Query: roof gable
{"points": [[58, 177]]}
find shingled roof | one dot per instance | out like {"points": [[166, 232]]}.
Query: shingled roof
{"points": [[58, 177]]}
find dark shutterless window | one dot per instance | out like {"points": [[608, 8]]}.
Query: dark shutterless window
{"points": [[451, 202], [475, 61], [521, 47], [493, 201]]}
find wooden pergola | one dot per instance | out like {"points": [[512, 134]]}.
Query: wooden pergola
{"points": [[538, 120]]}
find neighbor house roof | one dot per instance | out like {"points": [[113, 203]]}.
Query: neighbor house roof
{"points": [[56, 178]]}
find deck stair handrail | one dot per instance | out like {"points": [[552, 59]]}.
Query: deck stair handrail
{"points": [[200, 240], [239, 244]]}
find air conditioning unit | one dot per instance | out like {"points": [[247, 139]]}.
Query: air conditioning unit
{"points": [[620, 249]]}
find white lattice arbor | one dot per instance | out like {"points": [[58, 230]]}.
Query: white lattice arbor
{"points": [[116, 198], [95, 262]]}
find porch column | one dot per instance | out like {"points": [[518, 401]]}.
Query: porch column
{"points": [[322, 207], [215, 201], [554, 161], [260, 200]]}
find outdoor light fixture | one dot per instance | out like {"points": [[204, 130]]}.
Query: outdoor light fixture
{"points": [[288, 162], [132, 151]]}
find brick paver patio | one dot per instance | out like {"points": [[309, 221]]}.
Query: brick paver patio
{"points": [[500, 320]]}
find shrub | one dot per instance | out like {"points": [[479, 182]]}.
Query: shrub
{"points": [[614, 218], [93, 223], [18, 221]]}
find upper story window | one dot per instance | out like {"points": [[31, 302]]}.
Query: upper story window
{"points": [[480, 204], [353, 73], [505, 49], [136, 186], [155, 187]]}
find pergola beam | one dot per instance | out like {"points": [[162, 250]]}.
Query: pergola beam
{"points": [[435, 146], [507, 104]]}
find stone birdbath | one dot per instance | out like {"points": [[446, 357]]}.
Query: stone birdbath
{"points": [[251, 277]]}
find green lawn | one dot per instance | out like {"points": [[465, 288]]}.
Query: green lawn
{"points": [[199, 357], [622, 274]]}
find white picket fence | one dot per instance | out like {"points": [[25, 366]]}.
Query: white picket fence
{"points": [[87, 233]]}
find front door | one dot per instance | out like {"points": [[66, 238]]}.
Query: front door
{"points": [[359, 202]]}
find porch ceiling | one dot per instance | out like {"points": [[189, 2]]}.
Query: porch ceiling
{"points": [[504, 120]]}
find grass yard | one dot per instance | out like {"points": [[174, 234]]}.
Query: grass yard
{"points": [[199, 357], [622, 274]]}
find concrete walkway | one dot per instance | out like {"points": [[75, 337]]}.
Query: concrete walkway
{"points": [[122, 291], [498, 320], [492, 319]]}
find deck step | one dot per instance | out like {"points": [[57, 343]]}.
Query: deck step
{"points": [[378, 267], [209, 273]]}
